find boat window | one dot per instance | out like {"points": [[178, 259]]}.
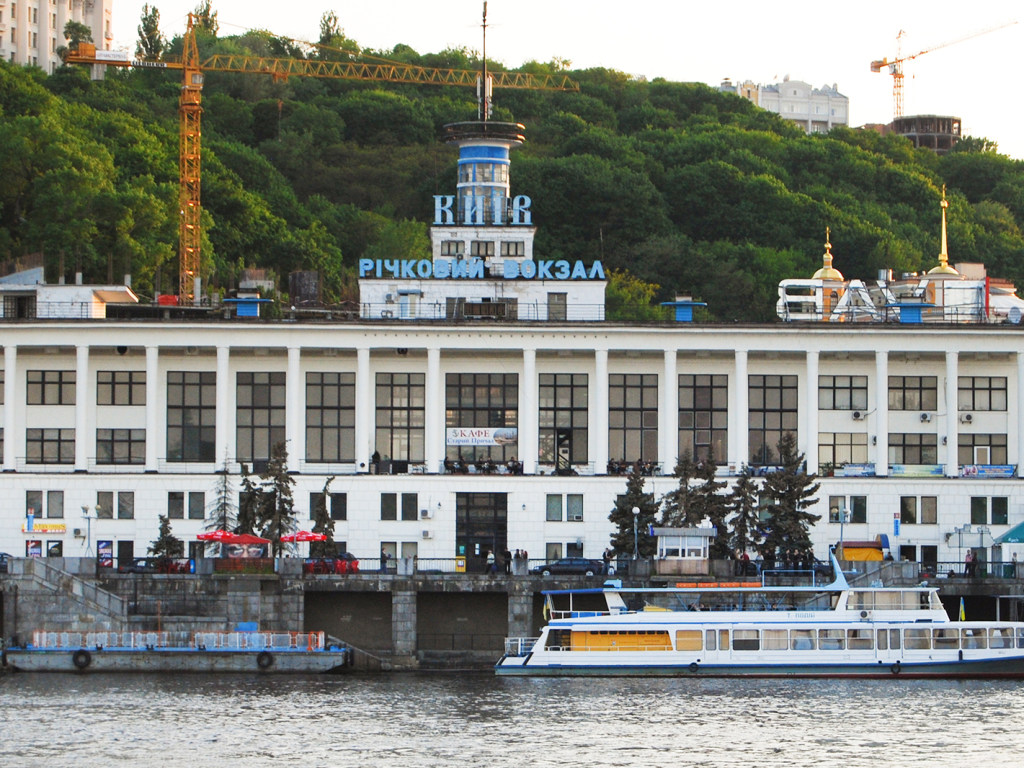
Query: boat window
{"points": [[859, 639], [723, 639], [974, 638], [1020, 637], [946, 638], [688, 640], [831, 639], [860, 601], [883, 640], [1001, 637], [745, 640], [917, 639], [558, 639], [894, 639], [802, 639], [775, 639], [710, 640]]}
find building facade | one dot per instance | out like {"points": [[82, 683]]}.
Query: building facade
{"points": [[816, 110], [31, 31]]}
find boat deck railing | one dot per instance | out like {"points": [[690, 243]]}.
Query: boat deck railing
{"points": [[519, 646], [205, 641]]}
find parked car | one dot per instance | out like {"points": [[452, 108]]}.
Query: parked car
{"points": [[4, 557], [137, 565], [346, 562], [569, 565]]}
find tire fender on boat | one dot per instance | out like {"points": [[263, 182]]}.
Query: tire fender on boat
{"points": [[264, 659], [895, 668], [81, 659], [694, 666]]}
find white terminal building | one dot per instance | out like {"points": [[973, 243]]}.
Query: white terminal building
{"points": [[31, 31], [114, 413]]}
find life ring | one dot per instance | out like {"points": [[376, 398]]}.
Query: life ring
{"points": [[81, 659], [264, 659], [694, 666], [895, 668]]}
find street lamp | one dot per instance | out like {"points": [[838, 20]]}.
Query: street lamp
{"points": [[88, 531], [636, 516]]}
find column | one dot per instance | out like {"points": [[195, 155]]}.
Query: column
{"points": [[880, 439], [952, 413], [223, 439], [152, 409], [364, 409], [597, 416], [739, 443], [434, 438], [82, 408], [668, 414], [808, 442], [294, 421], [1016, 421], [529, 431], [14, 435]]}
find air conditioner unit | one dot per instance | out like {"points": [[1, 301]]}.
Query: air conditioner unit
{"points": [[577, 516], [858, 416], [425, 514], [866, 615], [389, 298], [428, 534], [966, 418], [78, 533], [925, 417]]}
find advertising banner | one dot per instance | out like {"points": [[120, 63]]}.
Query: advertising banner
{"points": [[481, 435]]}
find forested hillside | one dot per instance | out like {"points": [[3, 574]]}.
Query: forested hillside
{"points": [[681, 186]]}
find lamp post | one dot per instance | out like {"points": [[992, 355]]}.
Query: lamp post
{"points": [[636, 516], [88, 531]]}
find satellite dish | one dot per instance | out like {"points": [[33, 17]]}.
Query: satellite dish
{"points": [[1015, 315]]}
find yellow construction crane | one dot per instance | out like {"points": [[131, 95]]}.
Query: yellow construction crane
{"points": [[190, 111], [896, 65]]}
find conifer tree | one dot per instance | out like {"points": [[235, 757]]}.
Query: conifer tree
{"points": [[791, 492], [322, 523], [221, 512], [742, 506], [676, 504], [167, 546], [689, 505], [276, 512], [622, 517], [151, 44], [249, 502]]}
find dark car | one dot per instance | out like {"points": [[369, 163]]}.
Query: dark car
{"points": [[4, 558], [137, 565], [346, 562], [569, 565]]}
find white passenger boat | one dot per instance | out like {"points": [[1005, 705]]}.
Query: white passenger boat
{"points": [[763, 631]]}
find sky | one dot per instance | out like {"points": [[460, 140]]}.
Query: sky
{"points": [[679, 40]]}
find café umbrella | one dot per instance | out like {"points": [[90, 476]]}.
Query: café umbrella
{"points": [[304, 536]]}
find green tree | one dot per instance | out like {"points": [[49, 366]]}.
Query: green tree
{"points": [[790, 491], [276, 515], [323, 523], [690, 504], [152, 43], [167, 546], [743, 512], [249, 503], [221, 512], [630, 299], [206, 18], [623, 519]]}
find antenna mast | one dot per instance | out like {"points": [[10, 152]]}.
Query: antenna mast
{"points": [[483, 88]]}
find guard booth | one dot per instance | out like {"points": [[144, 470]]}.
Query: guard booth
{"points": [[683, 551]]}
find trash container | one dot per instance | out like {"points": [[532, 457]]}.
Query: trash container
{"points": [[460, 565]]}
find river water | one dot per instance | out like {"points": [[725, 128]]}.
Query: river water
{"points": [[464, 720]]}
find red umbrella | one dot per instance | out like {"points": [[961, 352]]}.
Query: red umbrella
{"points": [[304, 536], [227, 537], [219, 535]]}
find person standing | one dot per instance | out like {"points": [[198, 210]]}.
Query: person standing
{"points": [[492, 566], [969, 564], [507, 555]]}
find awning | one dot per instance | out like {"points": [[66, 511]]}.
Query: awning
{"points": [[1013, 536]]}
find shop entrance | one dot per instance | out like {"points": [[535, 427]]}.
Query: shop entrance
{"points": [[481, 526]]}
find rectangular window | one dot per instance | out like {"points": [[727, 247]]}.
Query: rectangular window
{"points": [[410, 507], [50, 387], [554, 507], [120, 388], [34, 503], [330, 417], [1000, 510], [772, 413], [746, 640], [120, 446], [854, 507], [176, 505], [558, 306], [401, 416], [992, 449], [839, 448], [929, 506], [513, 248], [574, 507], [338, 505], [191, 416], [389, 506], [105, 505], [259, 415], [125, 505], [196, 505], [913, 393], [54, 504], [124, 501], [633, 417], [979, 510], [483, 400], [842, 393], [563, 413], [981, 505], [981, 393], [453, 248], [50, 446], [913, 448], [908, 510], [704, 416], [481, 248]]}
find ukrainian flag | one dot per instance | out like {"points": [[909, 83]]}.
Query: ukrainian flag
{"points": [[963, 616]]}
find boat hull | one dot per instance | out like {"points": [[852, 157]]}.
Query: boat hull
{"points": [[159, 660], [1009, 668]]}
